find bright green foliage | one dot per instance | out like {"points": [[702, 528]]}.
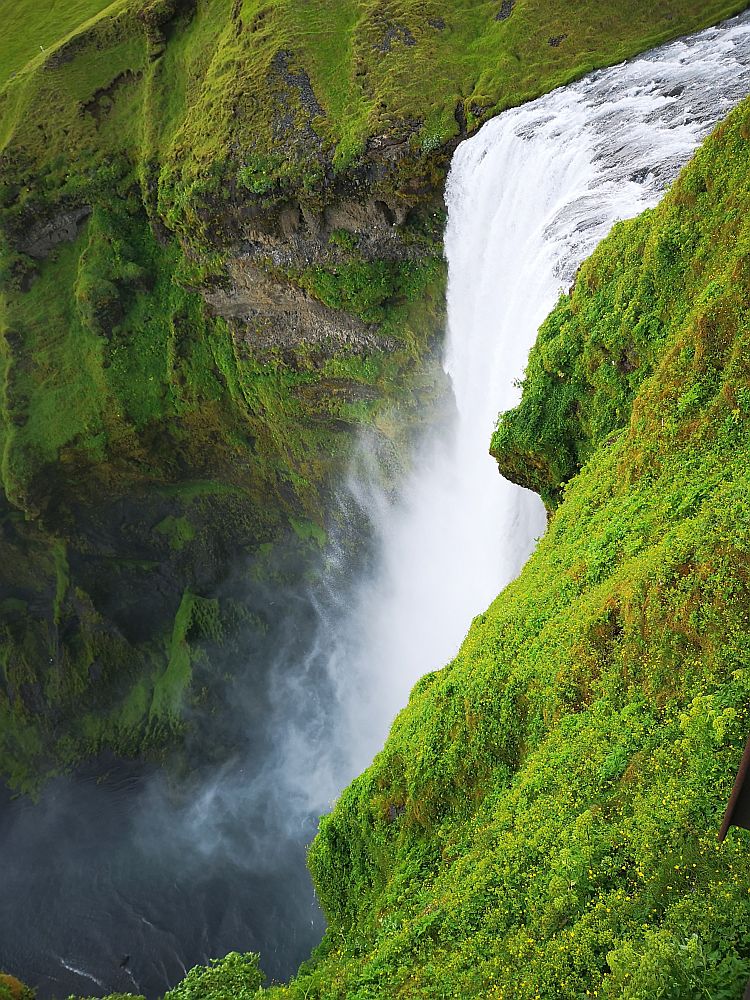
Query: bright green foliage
{"points": [[13, 989], [370, 289], [235, 977], [178, 530], [112, 996], [542, 820]]}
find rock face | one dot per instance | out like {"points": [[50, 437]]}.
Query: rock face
{"points": [[196, 454], [167, 411], [259, 290], [267, 314], [43, 236]]}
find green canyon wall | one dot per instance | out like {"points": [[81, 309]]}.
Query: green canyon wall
{"points": [[221, 255]]}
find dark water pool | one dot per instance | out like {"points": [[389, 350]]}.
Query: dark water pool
{"points": [[119, 883]]}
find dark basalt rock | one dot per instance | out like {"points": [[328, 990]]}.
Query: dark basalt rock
{"points": [[393, 33], [505, 11], [43, 236], [101, 100]]}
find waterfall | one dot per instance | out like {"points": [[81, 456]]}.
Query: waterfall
{"points": [[529, 197], [174, 881]]}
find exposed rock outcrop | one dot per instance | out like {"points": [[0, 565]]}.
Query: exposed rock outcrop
{"points": [[269, 313], [43, 236]]}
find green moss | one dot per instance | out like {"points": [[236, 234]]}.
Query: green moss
{"points": [[307, 531], [13, 989], [178, 531], [235, 977], [171, 686], [113, 996], [62, 579], [371, 289]]}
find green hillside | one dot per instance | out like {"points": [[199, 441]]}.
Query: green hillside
{"points": [[30, 29]]}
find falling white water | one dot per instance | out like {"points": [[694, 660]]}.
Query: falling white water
{"points": [[529, 197]]}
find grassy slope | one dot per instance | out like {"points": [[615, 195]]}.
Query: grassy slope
{"points": [[542, 820], [29, 29]]}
